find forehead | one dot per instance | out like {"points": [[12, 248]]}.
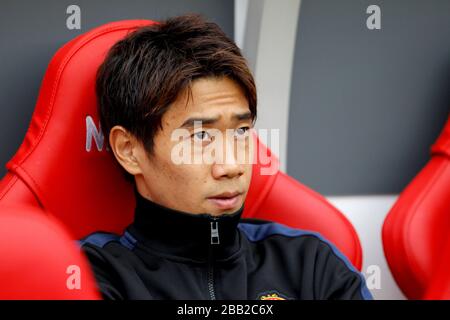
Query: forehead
{"points": [[214, 97]]}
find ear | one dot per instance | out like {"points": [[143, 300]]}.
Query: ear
{"points": [[125, 148]]}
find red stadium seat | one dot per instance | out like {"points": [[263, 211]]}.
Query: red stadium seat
{"points": [[439, 287], [63, 167], [39, 260], [417, 227]]}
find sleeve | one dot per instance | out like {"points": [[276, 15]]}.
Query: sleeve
{"points": [[104, 273], [335, 276]]}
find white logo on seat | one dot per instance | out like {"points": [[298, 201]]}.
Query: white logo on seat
{"points": [[93, 133]]}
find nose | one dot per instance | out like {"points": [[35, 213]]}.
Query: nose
{"points": [[227, 170], [228, 166]]}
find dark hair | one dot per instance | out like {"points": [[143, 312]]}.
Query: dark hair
{"points": [[146, 71]]}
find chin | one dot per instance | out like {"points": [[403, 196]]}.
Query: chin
{"points": [[218, 212]]}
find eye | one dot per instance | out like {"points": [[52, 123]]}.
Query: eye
{"points": [[242, 132], [201, 136]]}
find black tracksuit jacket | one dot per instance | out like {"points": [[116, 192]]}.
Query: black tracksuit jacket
{"points": [[167, 254]]}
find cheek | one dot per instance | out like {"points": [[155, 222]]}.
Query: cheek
{"points": [[196, 176], [187, 178], [190, 174]]}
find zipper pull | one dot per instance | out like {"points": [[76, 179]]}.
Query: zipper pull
{"points": [[215, 232]]}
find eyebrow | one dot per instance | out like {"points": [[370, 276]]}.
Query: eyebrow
{"points": [[189, 123]]}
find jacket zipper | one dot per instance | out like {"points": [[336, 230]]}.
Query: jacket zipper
{"points": [[215, 240]]}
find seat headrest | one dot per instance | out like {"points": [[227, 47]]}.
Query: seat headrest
{"points": [[63, 159]]}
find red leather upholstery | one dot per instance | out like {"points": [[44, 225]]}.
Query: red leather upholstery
{"points": [[85, 189], [439, 287], [39, 260], [417, 227]]}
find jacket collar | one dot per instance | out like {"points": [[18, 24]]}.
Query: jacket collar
{"points": [[196, 237]]}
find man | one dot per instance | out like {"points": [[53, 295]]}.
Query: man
{"points": [[169, 95]]}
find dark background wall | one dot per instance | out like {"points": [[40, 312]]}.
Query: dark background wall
{"points": [[367, 104], [32, 31]]}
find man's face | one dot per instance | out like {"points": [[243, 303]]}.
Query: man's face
{"points": [[201, 161]]}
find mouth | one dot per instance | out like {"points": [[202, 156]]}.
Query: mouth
{"points": [[226, 200]]}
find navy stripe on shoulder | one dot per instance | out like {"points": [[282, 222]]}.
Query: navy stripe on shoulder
{"points": [[99, 239], [258, 232], [128, 241]]}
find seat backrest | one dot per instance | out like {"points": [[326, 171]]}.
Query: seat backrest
{"points": [[63, 166], [39, 260], [439, 286], [417, 227]]}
